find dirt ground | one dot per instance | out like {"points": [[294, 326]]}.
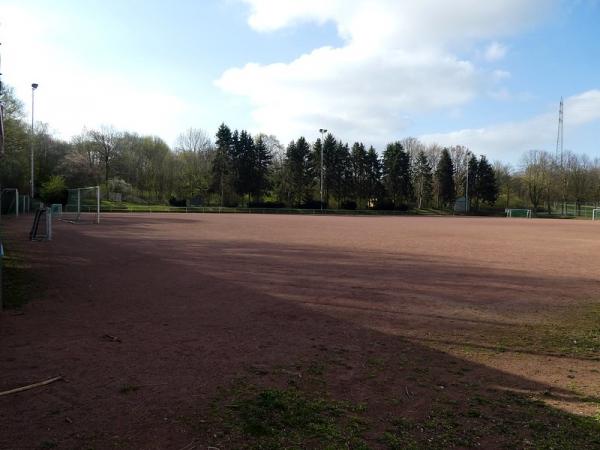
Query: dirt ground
{"points": [[400, 315]]}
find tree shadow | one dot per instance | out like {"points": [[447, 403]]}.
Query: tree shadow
{"points": [[194, 317]]}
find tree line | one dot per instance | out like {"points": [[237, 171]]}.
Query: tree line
{"points": [[238, 169]]}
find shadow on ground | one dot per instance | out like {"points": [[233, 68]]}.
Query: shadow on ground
{"points": [[235, 344]]}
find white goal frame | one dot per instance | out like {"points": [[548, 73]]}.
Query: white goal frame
{"points": [[78, 210], [509, 212], [16, 191], [596, 214]]}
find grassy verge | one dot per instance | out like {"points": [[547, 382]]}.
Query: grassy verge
{"points": [[294, 409], [502, 420], [576, 333], [17, 281]]}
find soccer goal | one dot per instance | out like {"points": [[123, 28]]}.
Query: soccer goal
{"points": [[596, 214], [9, 202], [83, 205], [41, 229], [525, 213]]}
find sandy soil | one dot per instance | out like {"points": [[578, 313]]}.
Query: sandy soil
{"points": [[197, 300]]}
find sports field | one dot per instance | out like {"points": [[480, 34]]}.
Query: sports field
{"points": [[264, 331]]}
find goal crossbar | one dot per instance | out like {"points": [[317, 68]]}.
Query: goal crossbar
{"points": [[596, 214], [83, 201], [518, 212]]}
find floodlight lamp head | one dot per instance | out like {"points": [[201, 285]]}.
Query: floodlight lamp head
{"points": [[34, 86], [322, 130]]}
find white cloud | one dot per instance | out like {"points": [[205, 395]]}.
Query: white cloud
{"points": [[71, 96], [507, 141], [495, 52], [398, 61]]}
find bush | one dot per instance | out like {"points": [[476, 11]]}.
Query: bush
{"points": [[388, 205], [119, 185], [313, 204], [349, 204], [54, 190], [266, 205], [177, 203], [384, 205]]}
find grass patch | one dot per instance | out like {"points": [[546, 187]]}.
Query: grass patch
{"points": [[289, 419], [576, 334], [128, 388], [504, 420], [17, 280]]}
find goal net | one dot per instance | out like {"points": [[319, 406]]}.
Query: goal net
{"points": [[525, 213], [9, 202], [596, 214], [83, 205]]}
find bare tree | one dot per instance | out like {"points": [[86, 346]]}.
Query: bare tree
{"points": [[193, 140], [537, 175], [460, 159], [195, 150], [106, 145], [505, 180]]}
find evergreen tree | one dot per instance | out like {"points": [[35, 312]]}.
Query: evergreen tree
{"points": [[396, 173], [329, 162], [473, 175], [221, 166], [423, 180], [358, 164], [244, 163], [339, 171], [444, 175], [315, 167], [487, 187], [374, 187], [263, 159], [299, 171]]}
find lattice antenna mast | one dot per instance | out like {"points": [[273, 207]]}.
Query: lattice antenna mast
{"points": [[560, 155], [0, 69], [560, 136]]}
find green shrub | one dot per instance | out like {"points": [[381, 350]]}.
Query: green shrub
{"points": [[54, 190]]}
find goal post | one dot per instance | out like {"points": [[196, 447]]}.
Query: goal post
{"points": [[524, 213], [9, 201], [596, 214], [83, 205]]}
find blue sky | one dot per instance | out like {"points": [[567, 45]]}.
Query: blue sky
{"points": [[488, 75]]}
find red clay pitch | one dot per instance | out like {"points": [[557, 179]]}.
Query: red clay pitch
{"points": [[197, 300]]}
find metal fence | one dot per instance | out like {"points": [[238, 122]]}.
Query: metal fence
{"points": [[227, 210], [1, 263]]}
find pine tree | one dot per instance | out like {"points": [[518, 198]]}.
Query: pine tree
{"points": [[244, 163], [315, 166], [221, 165], [261, 169], [358, 164], [329, 151], [473, 177], [299, 170], [423, 180], [444, 175], [396, 173], [487, 186], [339, 171], [374, 187]]}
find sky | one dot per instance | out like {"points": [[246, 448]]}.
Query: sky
{"points": [[488, 75]]}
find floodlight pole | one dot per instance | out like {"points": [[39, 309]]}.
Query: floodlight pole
{"points": [[467, 190], [33, 88], [322, 131]]}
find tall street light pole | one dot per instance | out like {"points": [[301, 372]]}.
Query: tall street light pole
{"points": [[322, 131], [467, 190], [33, 88]]}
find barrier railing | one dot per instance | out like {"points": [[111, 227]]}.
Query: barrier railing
{"points": [[223, 210]]}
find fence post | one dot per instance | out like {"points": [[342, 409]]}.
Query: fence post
{"points": [[1, 258]]}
